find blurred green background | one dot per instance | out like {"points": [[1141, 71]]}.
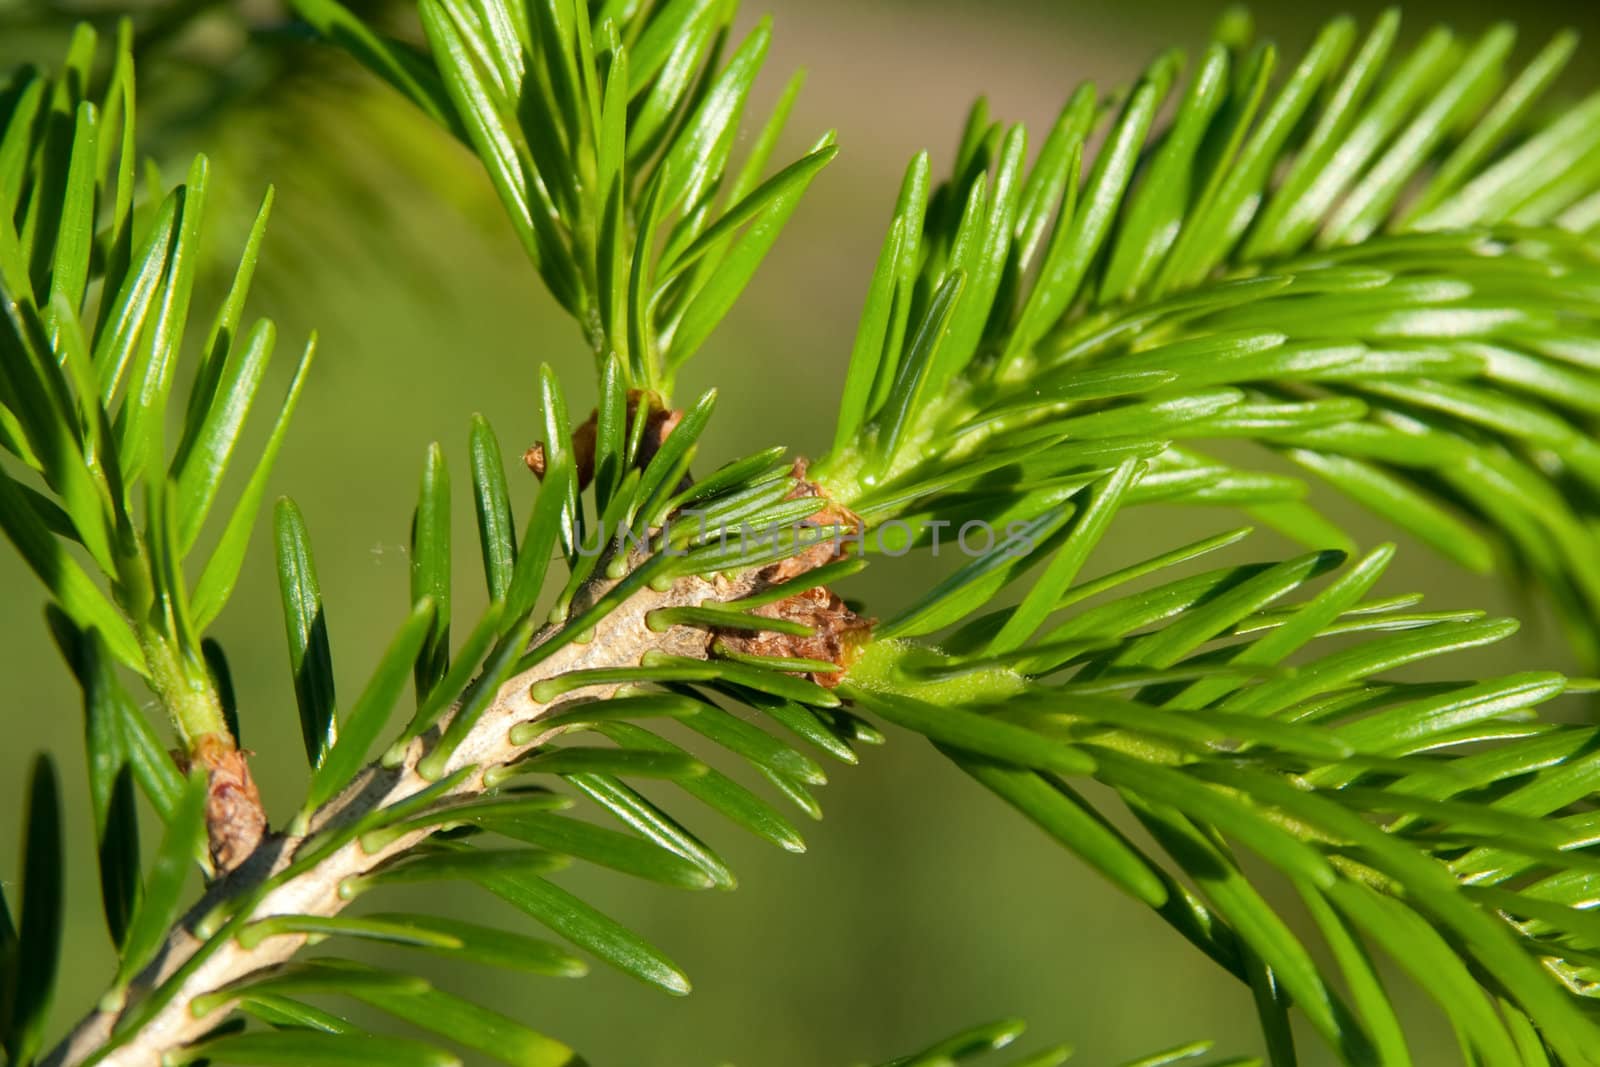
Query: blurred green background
{"points": [[923, 904]]}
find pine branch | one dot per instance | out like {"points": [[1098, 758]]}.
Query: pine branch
{"points": [[83, 406], [1379, 270], [667, 604], [1386, 804], [608, 132], [1038, 349], [315, 874], [1031, 361]]}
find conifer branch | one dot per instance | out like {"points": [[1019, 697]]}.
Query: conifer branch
{"points": [[316, 873], [1382, 269]]}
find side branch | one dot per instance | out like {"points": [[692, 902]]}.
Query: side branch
{"points": [[621, 639]]}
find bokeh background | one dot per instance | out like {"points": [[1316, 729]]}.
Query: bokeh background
{"points": [[923, 904]]}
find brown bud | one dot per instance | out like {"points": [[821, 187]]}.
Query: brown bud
{"points": [[534, 458], [235, 820], [836, 630], [659, 424]]}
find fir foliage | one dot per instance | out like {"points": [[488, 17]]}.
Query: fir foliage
{"points": [[1373, 266]]}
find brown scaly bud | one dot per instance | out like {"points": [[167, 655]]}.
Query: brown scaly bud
{"points": [[836, 631], [660, 421], [534, 458], [235, 820]]}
